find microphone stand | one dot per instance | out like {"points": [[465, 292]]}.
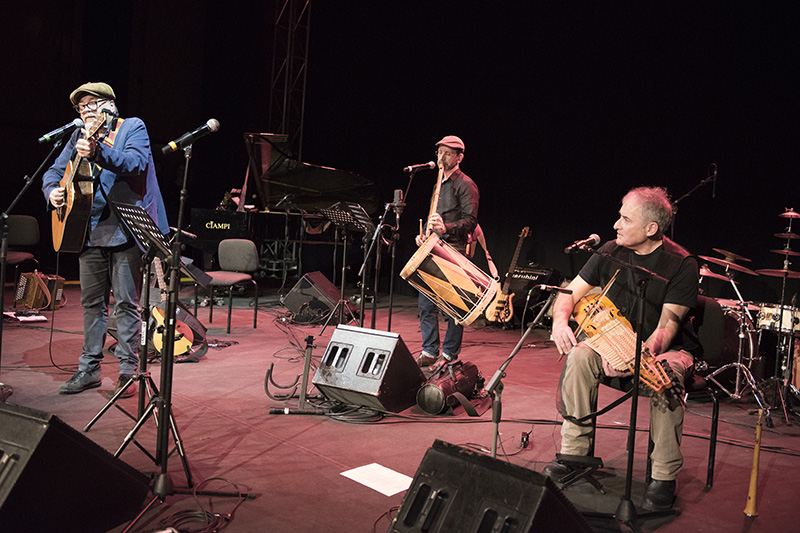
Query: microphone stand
{"points": [[7, 390], [397, 206], [362, 270], [626, 510], [711, 179], [162, 484], [495, 386]]}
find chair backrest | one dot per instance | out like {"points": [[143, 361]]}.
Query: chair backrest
{"points": [[238, 255], [23, 230], [708, 321]]}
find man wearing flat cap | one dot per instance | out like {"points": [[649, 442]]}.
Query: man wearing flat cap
{"points": [[454, 219], [123, 172]]}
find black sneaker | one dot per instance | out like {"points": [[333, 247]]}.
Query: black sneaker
{"points": [[121, 382], [659, 495], [80, 382]]}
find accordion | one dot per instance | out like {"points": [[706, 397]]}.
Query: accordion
{"points": [[39, 291]]}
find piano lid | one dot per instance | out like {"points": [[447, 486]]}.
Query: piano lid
{"points": [[285, 183]]}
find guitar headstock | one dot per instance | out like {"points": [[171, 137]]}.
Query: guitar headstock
{"points": [[93, 123], [525, 232]]}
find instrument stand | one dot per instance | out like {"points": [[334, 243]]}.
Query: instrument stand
{"points": [[7, 390], [301, 408], [495, 386], [162, 402], [348, 216]]}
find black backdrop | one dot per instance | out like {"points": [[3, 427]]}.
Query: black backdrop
{"points": [[563, 106]]}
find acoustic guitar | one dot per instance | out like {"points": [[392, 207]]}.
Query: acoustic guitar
{"points": [[72, 218], [500, 310], [184, 336]]}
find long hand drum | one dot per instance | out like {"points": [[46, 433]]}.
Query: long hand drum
{"points": [[449, 280]]}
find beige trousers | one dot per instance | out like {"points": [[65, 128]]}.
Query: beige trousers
{"points": [[580, 377]]}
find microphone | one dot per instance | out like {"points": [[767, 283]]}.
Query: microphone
{"points": [[575, 247], [421, 166], [188, 138], [60, 132], [714, 182], [398, 204], [553, 288]]}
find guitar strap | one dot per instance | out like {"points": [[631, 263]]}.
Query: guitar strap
{"points": [[478, 235], [108, 138]]}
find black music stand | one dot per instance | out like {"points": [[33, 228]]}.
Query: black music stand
{"points": [[350, 217]]}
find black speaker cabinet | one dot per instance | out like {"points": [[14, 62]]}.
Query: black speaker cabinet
{"points": [[461, 491], [53, 478], [369, 368], [314, 297]]}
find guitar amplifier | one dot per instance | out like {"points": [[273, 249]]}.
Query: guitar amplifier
{"points": [[524, 279], [37, 291]]}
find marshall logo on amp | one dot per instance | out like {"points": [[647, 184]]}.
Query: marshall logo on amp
{"points": [[524, 278]]}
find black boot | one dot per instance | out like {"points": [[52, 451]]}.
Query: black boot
{"points": [[659, 495]]}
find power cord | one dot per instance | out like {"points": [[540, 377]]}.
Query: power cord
{"points": [[212, 522]]}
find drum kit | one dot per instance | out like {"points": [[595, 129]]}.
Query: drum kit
{"points": [[748, 321]]}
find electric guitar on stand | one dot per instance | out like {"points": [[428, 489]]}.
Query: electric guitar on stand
{"points": [[500, 310]]}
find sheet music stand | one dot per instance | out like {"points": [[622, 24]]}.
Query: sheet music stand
{"points": [[350, 217], [147, 234]]}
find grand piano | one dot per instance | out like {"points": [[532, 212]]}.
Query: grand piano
{"points": [[278, 207]]}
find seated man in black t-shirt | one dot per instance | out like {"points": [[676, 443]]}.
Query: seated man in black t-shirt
{"points": [[645, 215]]}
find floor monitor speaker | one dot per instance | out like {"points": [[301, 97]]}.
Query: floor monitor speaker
{"points": [[369, 368], [313, 298], [461, 491], [53, 478]]}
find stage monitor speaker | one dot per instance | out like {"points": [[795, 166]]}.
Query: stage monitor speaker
{"points": [[369, 368], [313, 298], [53, 478], [461, 491]]}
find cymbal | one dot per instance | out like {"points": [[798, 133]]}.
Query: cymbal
{"points": [[730, 256], [787, 235], [729, 264], [737, 304], [789, 213], [779, 272], [706, 273], [785, 251]]}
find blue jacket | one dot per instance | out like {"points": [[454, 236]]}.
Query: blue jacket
{"points": [[128, 176]]}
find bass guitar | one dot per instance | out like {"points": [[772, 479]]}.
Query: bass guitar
{"points": [[500, 310], [72, 218]]}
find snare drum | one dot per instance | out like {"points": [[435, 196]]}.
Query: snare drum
{"points": [[771, 317], [457, 287]]}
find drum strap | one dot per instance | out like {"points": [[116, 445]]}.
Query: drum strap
{"points": [[468, 407]]}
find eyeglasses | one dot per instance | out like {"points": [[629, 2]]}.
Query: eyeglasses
{"points": [[447, 154], [92, 105]]}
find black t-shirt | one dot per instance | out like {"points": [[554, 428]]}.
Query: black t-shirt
{"points": [[669, 261]]}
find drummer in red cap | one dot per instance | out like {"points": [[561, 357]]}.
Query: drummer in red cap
{"points": [[453, 220]]}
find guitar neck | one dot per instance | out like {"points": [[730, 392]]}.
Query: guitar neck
{"points": [[513, 266]]}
